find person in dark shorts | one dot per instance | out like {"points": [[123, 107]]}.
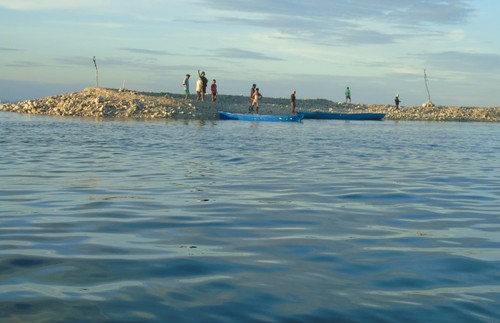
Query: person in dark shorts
{"points": [[185, 83], [204, 80], [397, 101], [255, 100], [347, 95], [252, 91], [213, 89], [292, 101]]}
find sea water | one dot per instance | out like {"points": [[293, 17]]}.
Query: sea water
{"points": [[232, 221]]}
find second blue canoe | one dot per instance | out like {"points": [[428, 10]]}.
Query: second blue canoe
{"points": [[260, 117], [341, 116]]}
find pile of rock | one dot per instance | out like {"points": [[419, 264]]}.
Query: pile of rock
{"points": [[428, 104], [432, 113], [103, 103], [111, 103]]}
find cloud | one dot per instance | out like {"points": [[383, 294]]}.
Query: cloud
{"points": [[111, 62], [25, 64], [47, 4], [451, 12], [235, 53], [108, 24], [363, 36], [342, 21], [15, 90], [76, 61], [145, 51], [465, 61], [406, 12], [5, 49]]}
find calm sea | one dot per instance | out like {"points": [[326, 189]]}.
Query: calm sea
{"points": [[230, 221]]}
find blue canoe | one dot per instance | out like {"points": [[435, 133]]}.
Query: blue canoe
{"points": [[341, 116], [259, 117]]}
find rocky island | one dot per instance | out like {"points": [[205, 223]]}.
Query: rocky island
{"points": [[119, 103]]}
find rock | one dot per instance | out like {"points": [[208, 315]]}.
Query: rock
{"points": [[428, 104], [102, 102]]}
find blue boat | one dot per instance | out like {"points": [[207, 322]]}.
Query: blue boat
{"points": [[341, 116], [260, 117]]}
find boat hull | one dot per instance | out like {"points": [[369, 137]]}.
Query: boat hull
{"points": [[259, 117], [342, 116]]}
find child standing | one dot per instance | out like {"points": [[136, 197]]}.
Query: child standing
{"points": [[213, 89], [185, 83], [256, 97]]}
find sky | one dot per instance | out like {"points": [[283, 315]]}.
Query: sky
{"points": [[316, 47]]}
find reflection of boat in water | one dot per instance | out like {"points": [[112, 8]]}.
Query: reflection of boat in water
{"points": [[259, 117], [341, 116]]}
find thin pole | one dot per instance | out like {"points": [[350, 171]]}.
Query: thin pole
{"points": [[96, 74], [428, 93]]}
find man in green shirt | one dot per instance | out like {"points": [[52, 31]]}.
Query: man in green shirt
{"points": [[347, 95]]}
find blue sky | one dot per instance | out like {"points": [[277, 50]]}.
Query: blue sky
{"points": [[317, 47]]}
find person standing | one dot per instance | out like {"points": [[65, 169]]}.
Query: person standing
{"points": [[292, 101], [397, 101], [347, 95], [213, 89], [185, 83], [256, 97], [199, 90], [252, 91], [204, 80]]}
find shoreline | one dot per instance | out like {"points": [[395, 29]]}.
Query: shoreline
{"points": [[114, 103]]}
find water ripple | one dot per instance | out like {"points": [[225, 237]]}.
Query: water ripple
{"points": [[115, 221]]}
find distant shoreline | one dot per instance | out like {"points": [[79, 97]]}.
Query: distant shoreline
{"points": [[114, 103]]}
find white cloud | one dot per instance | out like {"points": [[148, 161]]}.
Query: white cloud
{"points": [[405, 12], [457, 35], [146, 51], [47, 4], [343, 22], [235, 53], [466, 62], [96, 24]]}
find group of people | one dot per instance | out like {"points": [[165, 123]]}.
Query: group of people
{"points": [[201, 87], [255, 95], [397, 101], [201, 90]]}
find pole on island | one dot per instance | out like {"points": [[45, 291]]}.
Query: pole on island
{"points": [[96, 74], [429, 103], [427, 87]]}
